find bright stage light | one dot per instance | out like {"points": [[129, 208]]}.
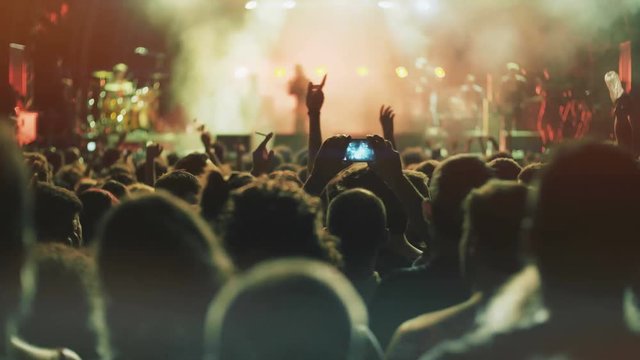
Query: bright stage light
{"points": [[250, 5], [386, 4], [321, 70], [423, 6], [362, 71], [289, 4], [402, 72], [141, 51], [439, 72], [241, 72], [280, 72]]}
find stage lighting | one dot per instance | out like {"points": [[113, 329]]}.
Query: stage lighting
{"points": [[241, 72], [289, 4], [362, 71], [423, 6], [439, 72], [141, 51], [250, 5], [280, 72], [386, 4], [402, 72], [321, 70]]}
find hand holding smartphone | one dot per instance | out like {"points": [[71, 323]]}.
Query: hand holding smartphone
{"points": [[359, 150]]}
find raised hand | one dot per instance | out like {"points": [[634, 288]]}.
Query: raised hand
{"points": [[315, 96], [206, 139], [330, 159], [387, 119], [387, 165], [154, 150], [329, 162], [262, 157]]}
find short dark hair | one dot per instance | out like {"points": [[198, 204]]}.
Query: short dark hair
{"points": [[214, 196], [55, 210], [180, 184], [95, 204], [66, 293], [194, 163], [505, 169], [361, 176], [271, 219], [260, 315], [68, 177], [452, 181], [39, 166], [159, 266], [286, 175], [493, 219], [530, 172], [585, 219], [358, 218], [413, 155], [118, 189]]}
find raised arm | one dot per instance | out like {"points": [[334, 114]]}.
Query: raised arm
{"points": [[389, 168], [329, 163], [153, 152], [387, 119], [262, 157], [207, 143], [315, 100]]}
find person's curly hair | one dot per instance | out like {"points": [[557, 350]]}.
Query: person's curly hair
{"points": [[270, 219]]}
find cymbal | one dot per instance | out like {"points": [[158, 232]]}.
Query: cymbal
{"points": [[102, 74]]}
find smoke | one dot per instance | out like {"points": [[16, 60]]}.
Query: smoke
{"points": [[233, 64]]}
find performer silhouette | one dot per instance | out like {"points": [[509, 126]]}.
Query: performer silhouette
{"points": [[298, 88]]}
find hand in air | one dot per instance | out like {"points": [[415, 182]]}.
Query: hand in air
{"points": [[262, 157], [387, 117], [387, 164], [330, 159], [154, 150], [315, 96]]}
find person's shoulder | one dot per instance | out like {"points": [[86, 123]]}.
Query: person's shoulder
{"points": [[427, 321], [24, 351]]}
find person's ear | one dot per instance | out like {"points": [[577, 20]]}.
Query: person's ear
{"points": [[427, 211]]}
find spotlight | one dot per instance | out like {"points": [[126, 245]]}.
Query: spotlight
{"points": [[439, 72], [386, 4], [402, 72], [280, 72], [321, 70], [250, 5], [141, 51], [362, 71], [289, 4], [241, 72]]}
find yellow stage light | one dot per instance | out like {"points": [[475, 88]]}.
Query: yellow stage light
{"points": [[250, 5], [280, 72], [321, 70], [439, 72], [362, 71], [402, 72]]}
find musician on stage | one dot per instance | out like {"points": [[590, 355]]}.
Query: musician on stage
{"points": [[119, 84], [298, 88], [626, 127], [511, 98]]}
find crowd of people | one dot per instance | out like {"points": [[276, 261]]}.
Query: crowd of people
{"points": [[307, 256]]}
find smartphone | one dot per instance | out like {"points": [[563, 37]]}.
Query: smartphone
{"points": [[359, 150]]}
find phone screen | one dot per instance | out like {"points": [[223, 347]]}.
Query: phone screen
{"points": [[359, 150]]}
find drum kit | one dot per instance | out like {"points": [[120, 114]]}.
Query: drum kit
{"points": [[118, 105]]}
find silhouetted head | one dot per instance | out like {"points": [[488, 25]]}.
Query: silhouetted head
{"points": [[413, 155], [505, 169], [180, 184], [214, 196], [57, 215], [160, 167], [287, 309], [584, 231], [427, 168], [490, 248], [361, 176], [39, 167], [196, 164], [270, 219], [159, 266], [358, 218], [65, 302], [529, 173], [68, 177], [95, 204], [452, 181]]}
